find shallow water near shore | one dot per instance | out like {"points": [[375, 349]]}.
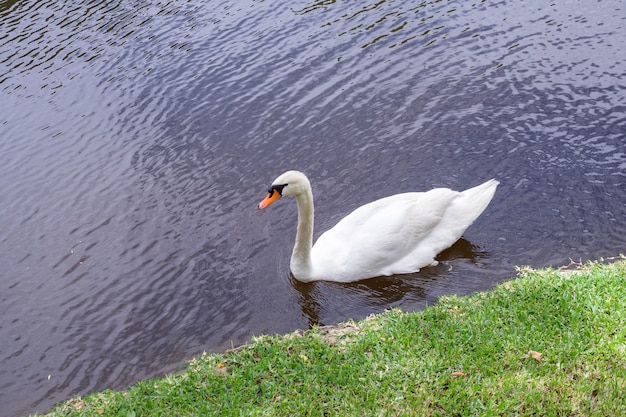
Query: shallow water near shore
{"points": [[137, 138]]}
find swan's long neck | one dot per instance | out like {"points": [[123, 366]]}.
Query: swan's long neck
{"points": [[301, 256]]}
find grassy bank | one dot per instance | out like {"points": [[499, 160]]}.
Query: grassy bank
{"points": [[548, 343]]}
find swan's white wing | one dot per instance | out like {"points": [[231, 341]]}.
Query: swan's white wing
{"points": [[371, 240]]}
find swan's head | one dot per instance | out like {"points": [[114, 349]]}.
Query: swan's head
{"points": [[288, 183]]}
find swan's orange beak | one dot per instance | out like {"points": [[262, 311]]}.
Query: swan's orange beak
{"points": [[271, 197]]}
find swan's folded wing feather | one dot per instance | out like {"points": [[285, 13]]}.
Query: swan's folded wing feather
{"points": [[380, 233]]}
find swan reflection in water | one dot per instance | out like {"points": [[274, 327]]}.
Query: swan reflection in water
{"points": [[384, 291]]}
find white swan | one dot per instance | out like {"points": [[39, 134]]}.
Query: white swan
{"points": [[394, 235]]}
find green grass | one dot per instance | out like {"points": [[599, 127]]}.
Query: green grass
{"points": [[464, 356]]}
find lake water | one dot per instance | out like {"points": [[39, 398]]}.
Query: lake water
{"points": [[136, 139]]}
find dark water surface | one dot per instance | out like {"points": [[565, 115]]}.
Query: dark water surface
{"points": [[137, 137]]}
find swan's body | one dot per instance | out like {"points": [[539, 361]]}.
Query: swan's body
{"points": [[394, 235]]}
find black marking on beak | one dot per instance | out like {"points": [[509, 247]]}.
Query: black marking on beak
{"points": [[278, 188]]}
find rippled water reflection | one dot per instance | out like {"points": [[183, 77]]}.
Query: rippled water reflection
{"points": [[137, 137]]}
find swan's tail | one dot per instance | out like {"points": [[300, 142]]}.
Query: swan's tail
{"points": [[460, 214], [476, 199], [463, 211]]}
